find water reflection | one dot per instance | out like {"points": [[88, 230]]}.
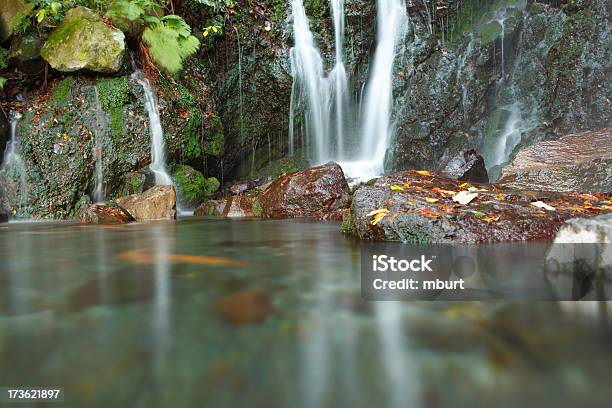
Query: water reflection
{"points": [[124, 314]]}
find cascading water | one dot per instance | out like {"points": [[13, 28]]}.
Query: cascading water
{"points": [[326, 98], [376, 129], [13, 165], [99, 149], [158, 151]]}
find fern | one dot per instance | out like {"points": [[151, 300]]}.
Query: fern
{"points": [[2, 82], [170, 42]]}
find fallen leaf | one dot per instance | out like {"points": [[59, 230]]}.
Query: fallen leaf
{"points": [[431, 200], [501, 197], [464, 185], [491, 218], [423, 173], [464, 197], [587, 197], [380, 211], [378, 215], [472, 189], [478, 214], [411, 202], [429, 213], [397, 188], [540, 204]]}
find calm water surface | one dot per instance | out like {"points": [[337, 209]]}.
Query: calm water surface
{"points": [[126, 316]]}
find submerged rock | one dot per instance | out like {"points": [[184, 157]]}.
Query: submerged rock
{"points": [[586, 231], [310, 193], [578, 162], [466, 166], [102, 214], [419, 208], [84, 41], [248, 307], [157, 203]]}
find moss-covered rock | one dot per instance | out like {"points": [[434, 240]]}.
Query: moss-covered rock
{"points": [[192, 187], [9, 9], [84, 41]]}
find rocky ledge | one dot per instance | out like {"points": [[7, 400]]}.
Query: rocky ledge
{"points": [[578, 162], [419, 207]]}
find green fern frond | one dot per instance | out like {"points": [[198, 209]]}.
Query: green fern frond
{"points": [[170, 43]]}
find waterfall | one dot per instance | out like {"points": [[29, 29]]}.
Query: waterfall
{"points": [[327, 108], [99, 149], [241, 93], [13, 165], [376, 129], [158, 153], [460, 76]]}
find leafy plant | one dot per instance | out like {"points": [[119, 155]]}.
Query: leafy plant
{"points": [[168, 38], [217, 5], [43, 13]]}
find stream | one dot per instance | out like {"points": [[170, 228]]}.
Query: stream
{"points": [[126, 316]]}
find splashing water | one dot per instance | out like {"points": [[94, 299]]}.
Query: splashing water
{"points": [[13, 165], [326, 98], [158, 154], [99, 196]]}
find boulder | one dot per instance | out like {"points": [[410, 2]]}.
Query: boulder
{"points": [[578, 162], [466, 166], [8, 10], [102, 214], [579, 263], [84, 41], [311, 193], [211, 208], [157, 203], [418, 207], [191, 185], [248, 307], [25, 53], [239, 206]]}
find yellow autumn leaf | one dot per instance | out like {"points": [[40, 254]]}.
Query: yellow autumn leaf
{"points": [[491, 218], [431, 200], [501, 197], [379, 211], [464, 185], [423, 173], [396, 188], [411, 202]]}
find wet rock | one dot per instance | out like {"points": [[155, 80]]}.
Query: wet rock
{"points": [[84, 41], [192, 187], [211, 208], [4, 133], [9, 9], [239, 206], [157, 203], [466, 166], [577, 162], [25, 52], [419, 208], [102, 214], [311, 193], [4, 217], [586, 231], [248, 307]]}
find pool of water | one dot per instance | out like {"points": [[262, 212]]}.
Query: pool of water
{"points": [[128, 316]]}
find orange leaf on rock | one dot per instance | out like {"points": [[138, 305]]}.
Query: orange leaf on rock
{"points": [[429, 213]]}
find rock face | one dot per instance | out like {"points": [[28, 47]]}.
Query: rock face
{"points": [[25, 52], [101, 214], [312, 193], [579, 162], [467, 166], [419, 208], [3, 216], [247, 307], [84, 41], [8, 10], [157, 203]]}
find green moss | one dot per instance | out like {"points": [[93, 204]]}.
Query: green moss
{"points": [[257, 207], [114, 94], [61, 91], [192, 186], [348, 226], [489, 32], [214, 144]]}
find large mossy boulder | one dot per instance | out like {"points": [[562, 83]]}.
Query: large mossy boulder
{"points": [[84, 42], [9, 9], [418, 207], [192, 187]]}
